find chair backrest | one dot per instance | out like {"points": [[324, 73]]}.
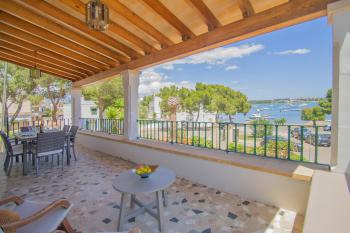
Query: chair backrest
{"points": [[50, 141], [7, 142], [25, 129], [73, 130], [66, 128]]}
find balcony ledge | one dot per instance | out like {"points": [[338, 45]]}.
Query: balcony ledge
{"points": [[291, 169]]}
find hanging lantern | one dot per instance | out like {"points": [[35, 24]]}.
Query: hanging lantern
{"points": [[97, 15], [35, 73]]}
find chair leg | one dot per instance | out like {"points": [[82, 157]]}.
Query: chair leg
{"points": [[8, 172], [73, 147], [6, 163], [37, 165], [65, 225], [51, 161], [62, 159]]}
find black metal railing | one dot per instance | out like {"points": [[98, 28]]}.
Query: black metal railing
{"points": [[16, 125], [289, 142], [110, 126]]}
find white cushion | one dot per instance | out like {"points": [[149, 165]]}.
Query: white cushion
{"points": [[45, 224]]}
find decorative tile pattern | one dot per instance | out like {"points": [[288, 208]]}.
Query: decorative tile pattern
{"points": [[193, 208]]}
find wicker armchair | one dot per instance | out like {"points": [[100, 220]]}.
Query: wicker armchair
{"points": [[48, 144], [12, 151], [38, 217]]}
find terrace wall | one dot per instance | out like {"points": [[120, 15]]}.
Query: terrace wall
{"points": [[271, 187]]}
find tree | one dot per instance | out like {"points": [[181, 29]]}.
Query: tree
{"points": [[313, 114], [35, 100], [19, 87], [164, 94], [54, 89], [190, 102], [105, 94], [281, 121], [116, 111], [326, 103], [261, 124], [224, 100]]}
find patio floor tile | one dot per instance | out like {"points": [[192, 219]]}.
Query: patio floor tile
{"points": [[192, 207]]}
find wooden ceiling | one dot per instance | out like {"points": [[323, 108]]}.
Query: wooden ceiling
{"points": [[52, 34]]}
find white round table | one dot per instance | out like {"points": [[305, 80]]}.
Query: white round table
{"points": [[128, 183]]}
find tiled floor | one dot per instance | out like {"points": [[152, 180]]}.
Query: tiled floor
{"points": [[192, 207]]}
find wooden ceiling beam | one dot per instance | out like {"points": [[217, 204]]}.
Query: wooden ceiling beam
{"points": [[166, 14], [246, 8], [113, 27], [19, 34], [121, 9], [40, 58], [29, 64], [282, 16], [60, 15], [66, 61], [205, 12], [20, 11], [38, 62], [52, 37]]}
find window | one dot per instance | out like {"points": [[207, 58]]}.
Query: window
{"points": [[93, 110]]}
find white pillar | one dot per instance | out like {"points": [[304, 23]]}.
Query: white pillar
{"points": [[76, 105], [131, 96], [339, 17]]}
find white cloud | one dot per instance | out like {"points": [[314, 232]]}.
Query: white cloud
{"points": [[168, 66], [216, 56], [294, 52], [151, 82], [232, 67]]}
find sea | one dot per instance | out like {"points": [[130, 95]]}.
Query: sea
{"points": [[290, 111]]}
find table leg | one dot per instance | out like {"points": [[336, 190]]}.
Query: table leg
{"points": [[132, 201], [25, 154], [165, 198], [160, 207], [122, 212]]}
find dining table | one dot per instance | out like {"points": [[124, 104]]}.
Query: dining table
{"points": [[28, 137]]}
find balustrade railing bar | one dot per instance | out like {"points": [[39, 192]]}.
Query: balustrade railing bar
{"points": [[110, 126], [15, 126], [268, 140]]}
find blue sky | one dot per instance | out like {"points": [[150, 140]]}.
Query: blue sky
{"points": [[292, 62]]}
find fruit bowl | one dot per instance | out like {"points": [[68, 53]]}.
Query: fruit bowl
{"points": [[144, 171]]}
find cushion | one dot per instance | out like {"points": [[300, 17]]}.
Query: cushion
{"points": [[8, 216]]}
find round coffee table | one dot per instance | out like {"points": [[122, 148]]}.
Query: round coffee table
{"points": [[128, 183]]}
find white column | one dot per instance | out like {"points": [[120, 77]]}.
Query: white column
{"points": [[76, 105], [339, 17], [131, 96]]}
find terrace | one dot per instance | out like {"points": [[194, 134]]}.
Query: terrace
{"points": [[222, 190]]}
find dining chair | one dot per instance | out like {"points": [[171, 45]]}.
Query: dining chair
{"points": [[27, 216], [48, 144], [73, 133], [66, 128], [12, 152]]}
